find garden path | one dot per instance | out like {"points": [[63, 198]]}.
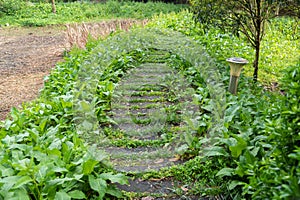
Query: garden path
{"points": [[149, 106]]}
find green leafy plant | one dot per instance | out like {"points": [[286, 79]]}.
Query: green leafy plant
{"points": [[10, 7], [278, 50], [257, 144], [14, 12]]}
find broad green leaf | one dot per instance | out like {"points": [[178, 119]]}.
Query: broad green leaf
{"points": [[110, 86], [85, 106], [88, 166], [66, 152], [15, 113], [22, 147], [62, 195], [208, 107], [215, 151], [7, 124], [188, 138], [114, 178], [41, 174], [225, 172], [86, 125], [5, 171], [76, 194], [22, 181], [8, 182], [114, 192], [43, 124], [8, 140], [39, 156], [250, 159], [240, 170], [182, 149], [60, 181], [237, 149], [97, 154], [254, 151], [78, 176], [34, 134], [18, 194], [66, 102], [231, 112], [233, 184], [98, 185], [54, 153], [59, 169], [56, 144]]}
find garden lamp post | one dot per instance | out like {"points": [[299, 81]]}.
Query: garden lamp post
{"points": [[236, 65]]}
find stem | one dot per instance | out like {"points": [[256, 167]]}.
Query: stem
{"points": [[255, 64], [53, 6], [258, 27]]}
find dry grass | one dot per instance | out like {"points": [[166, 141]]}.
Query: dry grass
{"points": [[78, 34]]}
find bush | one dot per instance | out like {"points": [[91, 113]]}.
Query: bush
{"points": [[10, 7], [259, 143]]}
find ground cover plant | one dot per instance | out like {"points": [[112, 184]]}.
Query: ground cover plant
{"points": [[280, 48], [247, 18], [43, 156], [239, 147], [255, 153], [75, 107], [15, 12]]}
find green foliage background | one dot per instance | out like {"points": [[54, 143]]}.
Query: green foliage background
{"points": [[280, 49], [254, 154], [15, 12]]}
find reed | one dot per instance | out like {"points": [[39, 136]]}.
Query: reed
{"points": [[77, 34]]}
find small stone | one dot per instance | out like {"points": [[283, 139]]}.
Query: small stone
{"points": [[147, 198]]}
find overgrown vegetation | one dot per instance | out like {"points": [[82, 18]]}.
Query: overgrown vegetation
{"points": [[279, 50], [255, 153], [15, 12], [240, 147], [245, 17], [42, 155]]}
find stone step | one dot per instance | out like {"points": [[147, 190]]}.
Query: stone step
{"points": [[143, 118]]}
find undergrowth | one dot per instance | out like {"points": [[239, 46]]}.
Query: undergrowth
{"points": [[40, 14], [242, 147], [279, 49], [255, 153]]}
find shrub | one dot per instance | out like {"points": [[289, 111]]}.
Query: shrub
{"points": [[10, 7]]}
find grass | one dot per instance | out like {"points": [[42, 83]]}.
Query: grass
{"points": [[280, 47], [40, 14]]}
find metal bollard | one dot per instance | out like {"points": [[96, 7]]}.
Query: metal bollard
{"points": [[236, 65]]}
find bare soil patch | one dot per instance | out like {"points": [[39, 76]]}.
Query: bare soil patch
{"points": [[26, 56]]}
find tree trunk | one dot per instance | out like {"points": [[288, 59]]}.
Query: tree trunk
{"points": [[255, 64], [258, 27], [53, 6]]}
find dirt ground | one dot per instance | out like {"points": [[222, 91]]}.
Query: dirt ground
{"points": [[26, 56]]}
